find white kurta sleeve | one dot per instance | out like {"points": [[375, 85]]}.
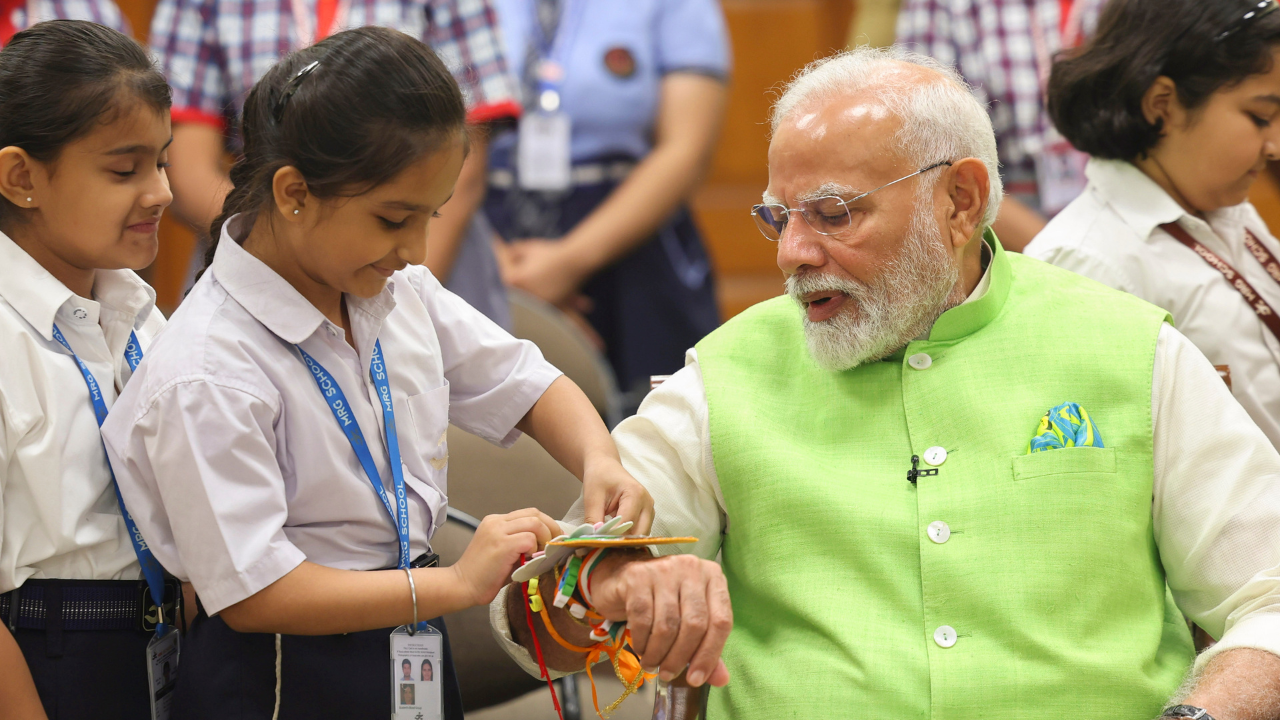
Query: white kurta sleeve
{"points": [[667, 447], [1216, 508], [199, 472], [494, 378]]}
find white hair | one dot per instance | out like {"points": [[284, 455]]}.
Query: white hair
{"points": [[941, 120]]}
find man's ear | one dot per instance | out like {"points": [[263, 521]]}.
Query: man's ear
{"points": [[16, 181], [969, 187], [1160, 104], [292, 197]]}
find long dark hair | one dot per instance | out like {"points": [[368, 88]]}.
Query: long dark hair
{"points": [[59, 79], [372, 102], [1095, 93]]}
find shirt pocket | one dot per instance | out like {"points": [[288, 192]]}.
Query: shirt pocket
{"points": [[1065, 461], [424, 448]]}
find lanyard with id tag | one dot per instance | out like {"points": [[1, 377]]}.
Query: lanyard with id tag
{"points": [[162, 649], [419, 645], [544, 158], [416, 673]]}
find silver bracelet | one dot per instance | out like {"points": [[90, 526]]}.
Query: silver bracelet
{"points": [[413, 592]]}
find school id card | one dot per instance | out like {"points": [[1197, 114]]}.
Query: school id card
{"points": [[543, 160], [162, 672], [416, 674]]}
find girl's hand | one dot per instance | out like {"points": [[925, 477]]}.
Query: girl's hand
{"points": [[608, 489], [495, 550], [543, 268]]}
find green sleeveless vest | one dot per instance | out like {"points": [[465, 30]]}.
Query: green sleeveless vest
{"points": [[1043, 593]]}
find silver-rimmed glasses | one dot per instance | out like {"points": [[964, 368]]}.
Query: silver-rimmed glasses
{"points": [[827, 215]]}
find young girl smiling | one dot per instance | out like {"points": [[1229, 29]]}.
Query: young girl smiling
{"points": [[316, 358], [84, 127]]}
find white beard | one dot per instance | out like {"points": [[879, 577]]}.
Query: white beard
{"points": [[899, 305]]}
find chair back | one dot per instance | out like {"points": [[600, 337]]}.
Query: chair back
{"points": [[566, 346]]}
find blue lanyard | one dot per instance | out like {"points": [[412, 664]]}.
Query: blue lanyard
{"points": [[151, 568], [337, 402]]}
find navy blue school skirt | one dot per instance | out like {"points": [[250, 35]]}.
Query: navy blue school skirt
{"points": [[651, 305], [85, 646], [88, 675], [228, 675]]}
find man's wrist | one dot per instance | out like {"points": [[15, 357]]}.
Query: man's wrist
{"points": [[610, 600]]}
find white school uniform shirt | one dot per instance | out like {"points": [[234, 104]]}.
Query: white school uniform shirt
{"points": [[58, 512], [1111, 233], [231, 460], [1215, 501]]}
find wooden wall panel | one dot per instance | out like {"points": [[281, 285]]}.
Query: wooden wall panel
{"points": [[772, 39]]}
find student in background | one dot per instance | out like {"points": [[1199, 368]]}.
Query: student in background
{"points": [[213, 51], [17, 15], [1177, 105], [84, 123], [1004, 48], [285, 443], [638, 91]]}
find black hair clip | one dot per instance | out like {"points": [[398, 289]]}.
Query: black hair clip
{"points": [[1257, 9], [292, 86]]}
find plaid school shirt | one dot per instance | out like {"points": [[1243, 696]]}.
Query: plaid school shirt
{"points": [[213, 51], [999, 46], [24, 15]]}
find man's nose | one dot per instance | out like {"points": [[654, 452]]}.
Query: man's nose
{"points": [[799, 247]]}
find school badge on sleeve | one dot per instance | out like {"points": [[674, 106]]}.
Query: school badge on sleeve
{"points": [[620, 62]]}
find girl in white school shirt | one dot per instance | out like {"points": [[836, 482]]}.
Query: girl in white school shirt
{"points": [[232, 444], [1178, 105], [84, 127]]}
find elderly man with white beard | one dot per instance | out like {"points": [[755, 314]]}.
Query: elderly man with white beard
{"points": [[860, 454]]}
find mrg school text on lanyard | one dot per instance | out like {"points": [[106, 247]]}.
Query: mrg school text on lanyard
{"points": [[416, 692], [543, 150], [162, 650]]}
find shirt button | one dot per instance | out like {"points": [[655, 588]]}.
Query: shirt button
{"points": [[935, 455], [920, 361], [80, 313], [945, 636], [939, 531], [332, 331]]}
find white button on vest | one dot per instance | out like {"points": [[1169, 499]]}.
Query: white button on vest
{"points": [[80, 313], [920, 361], [945, 636], [939, 531], [935, 455]]}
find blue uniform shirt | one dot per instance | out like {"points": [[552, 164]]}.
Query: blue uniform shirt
{"points": [[614, 55]]}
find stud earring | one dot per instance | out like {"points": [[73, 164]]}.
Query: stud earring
{"points": [[295, 212], [28, 199]]}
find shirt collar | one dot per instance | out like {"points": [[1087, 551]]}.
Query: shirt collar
{"points": [[270, 299], [37, 295], [1137, 199], [984, 303]]}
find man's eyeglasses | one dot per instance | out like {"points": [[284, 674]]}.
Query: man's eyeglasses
{"points": [[1257, 9], [827, 215]]}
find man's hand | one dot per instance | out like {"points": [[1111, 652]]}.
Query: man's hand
{"points": [[677, 609], [608, 489]]}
